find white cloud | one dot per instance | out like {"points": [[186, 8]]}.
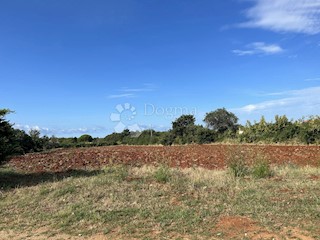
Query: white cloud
{"points": [[60, 131], [312, 79], [299, 16], [268, 105], [124, 95], [294, 102], [28, 128], [313, 91], [132, 92], [259, 48], [144, 89], [243, 52]]}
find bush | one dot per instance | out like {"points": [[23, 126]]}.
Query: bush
{"points": [[167, 139], [261, 169], [23, 142], [204, 135], [162, 174], [85, 138], [237, 164]]}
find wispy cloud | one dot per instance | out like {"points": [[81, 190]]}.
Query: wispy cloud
{"points": [[300, 16], [267, 105], [60, 131], [146, 88], [299, 101], [312, 79], [136, 90], [132, 92], [305, 91], [123, 95], [259, 48], [28, 128]]}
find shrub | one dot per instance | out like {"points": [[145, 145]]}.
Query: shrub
{"points": [[167, 139], [237, 164], [204, 135], [85, 138], [162, 174], [261, 169]]}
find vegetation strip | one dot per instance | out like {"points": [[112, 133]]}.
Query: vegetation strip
{"points": [[122, 202]]}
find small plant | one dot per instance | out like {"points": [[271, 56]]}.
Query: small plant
{"points": [[162, 174], [261, 169], [117, 172], [236, 162]]}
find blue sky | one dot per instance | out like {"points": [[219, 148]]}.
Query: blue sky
{"points": [[69, 67]]}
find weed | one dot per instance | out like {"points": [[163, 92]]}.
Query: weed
{"points": [[261, 169], [117, 172], [236, 162], [163, 174]]}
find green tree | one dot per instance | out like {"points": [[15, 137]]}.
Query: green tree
{"points": [[113, 139], [259, 131], [85, 138], [182, 124], [283, 129], [67, 142], [183, 130], [167, 138], [204, 135], [6, 135], [37, 140], [309, 130], [23, 142], [221, 120], [147, 137]]}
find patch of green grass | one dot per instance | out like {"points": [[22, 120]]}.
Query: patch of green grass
{"points": [[44, 191], [163, 174], [116, 172], [238, 165], [124, 202], [67, 189], [261, 169]]}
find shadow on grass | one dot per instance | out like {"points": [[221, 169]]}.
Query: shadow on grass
{"points": [[10, 179]]}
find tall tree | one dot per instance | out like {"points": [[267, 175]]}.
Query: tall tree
{"points": [[85, 138], [6, 135], [221, 120], [181, 125]]}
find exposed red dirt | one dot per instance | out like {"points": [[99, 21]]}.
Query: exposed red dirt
{"points": [[314, 178], [206, 156], [234, 227]]}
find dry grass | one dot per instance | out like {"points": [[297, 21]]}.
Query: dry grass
{"points": [[121, 202]]}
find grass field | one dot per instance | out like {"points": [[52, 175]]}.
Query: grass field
{"points": [[122, 202]]}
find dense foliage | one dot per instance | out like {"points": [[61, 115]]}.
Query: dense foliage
{"points": [[306, 131], [221, 125], [6, 135], [221, 120]]}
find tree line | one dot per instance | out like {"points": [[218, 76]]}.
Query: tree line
{"points": [[220, 126]]}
